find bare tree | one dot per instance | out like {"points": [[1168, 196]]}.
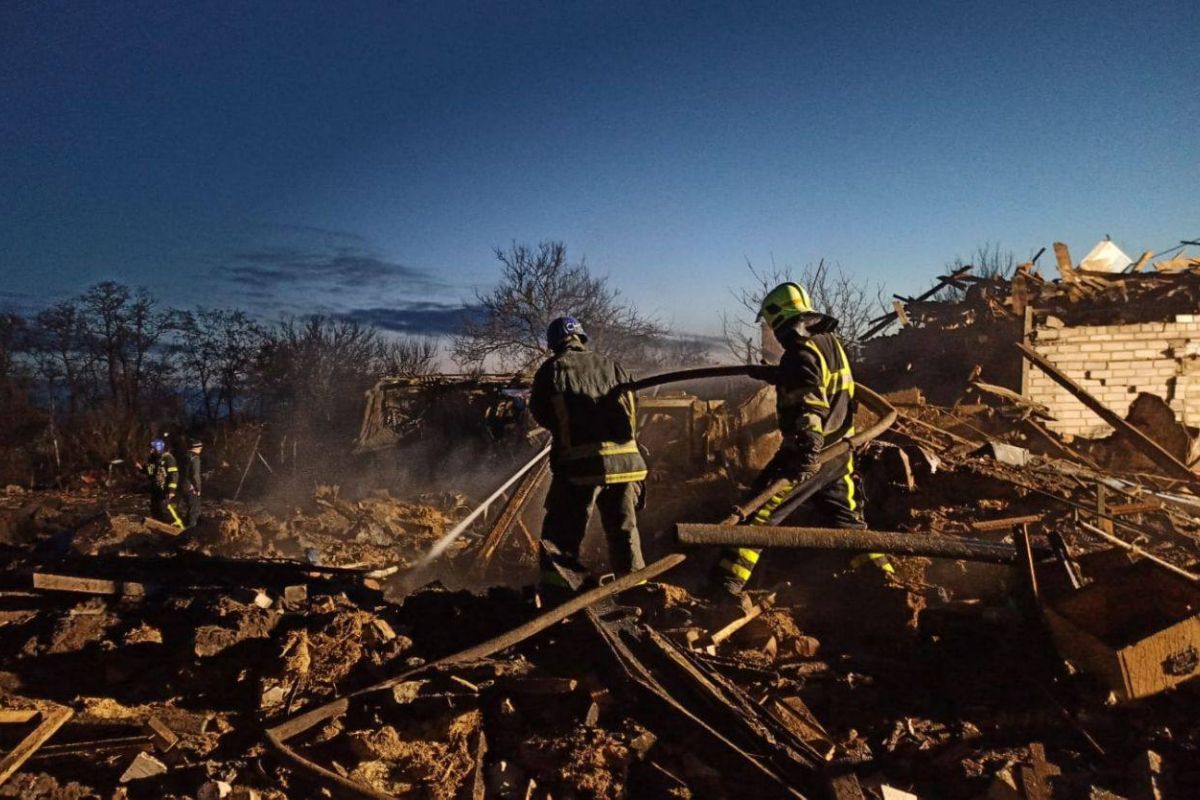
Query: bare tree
{"points": [[408, 357], [538, 284], [63, 353], [216, 349], [123, 327], [311, 372], [833, 291], [988, 262]]}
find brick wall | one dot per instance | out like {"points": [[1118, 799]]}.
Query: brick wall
{"points": [[1114, 363]]}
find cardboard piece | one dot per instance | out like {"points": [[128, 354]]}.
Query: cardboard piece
{"points": [[1137, 630]]}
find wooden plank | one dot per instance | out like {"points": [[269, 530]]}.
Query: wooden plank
{"points": [[1026, 549], [52, 719], [1141, 262], [901, 314], [796, 716], [1102, 507], [69, 583], [729, 630], [1005, 522], [1063, 256], [161, 527], [164, 738], [512, 513], [17, 716], [1144, 444]]}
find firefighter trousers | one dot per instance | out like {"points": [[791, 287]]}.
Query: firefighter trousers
{"points": [[836, 505], [569, 508], [165, 510]]}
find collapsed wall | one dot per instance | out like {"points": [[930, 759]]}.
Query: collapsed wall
{"points": [[1119, 336], [1114, 363]]}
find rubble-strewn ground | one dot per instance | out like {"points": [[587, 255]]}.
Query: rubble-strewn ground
{"points": [[940, 680]]}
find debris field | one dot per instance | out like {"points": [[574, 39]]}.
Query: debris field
{"points": [[1037, 639]]}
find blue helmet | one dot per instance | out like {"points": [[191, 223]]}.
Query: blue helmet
{"points": [[158, 446], [562, 329]]}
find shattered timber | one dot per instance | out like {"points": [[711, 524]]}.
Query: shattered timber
{"points": [[1028, 461]]}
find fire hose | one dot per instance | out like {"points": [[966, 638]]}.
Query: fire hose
{"points": [[882, 408], [829, 458], [877, 404]]}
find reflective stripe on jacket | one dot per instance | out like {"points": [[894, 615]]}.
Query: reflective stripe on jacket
{"points": [[163, 472], [595, 433], [815, 392]]}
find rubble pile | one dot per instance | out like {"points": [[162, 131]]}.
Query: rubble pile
{"points": [[965, 326]]}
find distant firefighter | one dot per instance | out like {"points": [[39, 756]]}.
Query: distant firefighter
{"points": [[815, 406], [594, 457], [163, 473]]}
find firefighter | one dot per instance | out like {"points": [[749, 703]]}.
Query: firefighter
{"points": [[815, 407], [190, 483], [594, 458], [164, 481]]}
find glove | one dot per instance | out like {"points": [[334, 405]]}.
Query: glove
{"points": [[790, 462]]}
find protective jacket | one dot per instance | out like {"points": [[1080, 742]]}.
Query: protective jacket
{"points": [[814, 397], [163, 473], [594, 431]]}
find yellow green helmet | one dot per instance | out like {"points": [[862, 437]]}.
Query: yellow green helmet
{"points": [[785, 302]]}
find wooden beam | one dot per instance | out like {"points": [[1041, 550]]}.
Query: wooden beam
{"points": [[1141, 262], [1065, 268], [52, 719], [69, 583], [901, 314], [1170, 465], [161, 527]]}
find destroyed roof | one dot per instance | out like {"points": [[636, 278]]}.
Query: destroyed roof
{"points": [[1105, 288]]}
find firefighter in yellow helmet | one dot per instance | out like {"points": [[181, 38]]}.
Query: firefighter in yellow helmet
{"points": [[815, 405]]}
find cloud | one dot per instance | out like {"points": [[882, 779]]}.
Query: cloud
{"points": [[335, 270], [419, 319]]}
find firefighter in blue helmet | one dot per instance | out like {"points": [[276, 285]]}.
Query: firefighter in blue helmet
{"points": [[815, 406], [163, 472], [594, 458]]}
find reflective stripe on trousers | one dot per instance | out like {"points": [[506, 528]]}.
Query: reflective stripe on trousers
{"points": [[739, 562]]}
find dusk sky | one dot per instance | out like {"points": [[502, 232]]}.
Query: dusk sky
{"points": [[364, 158]]}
